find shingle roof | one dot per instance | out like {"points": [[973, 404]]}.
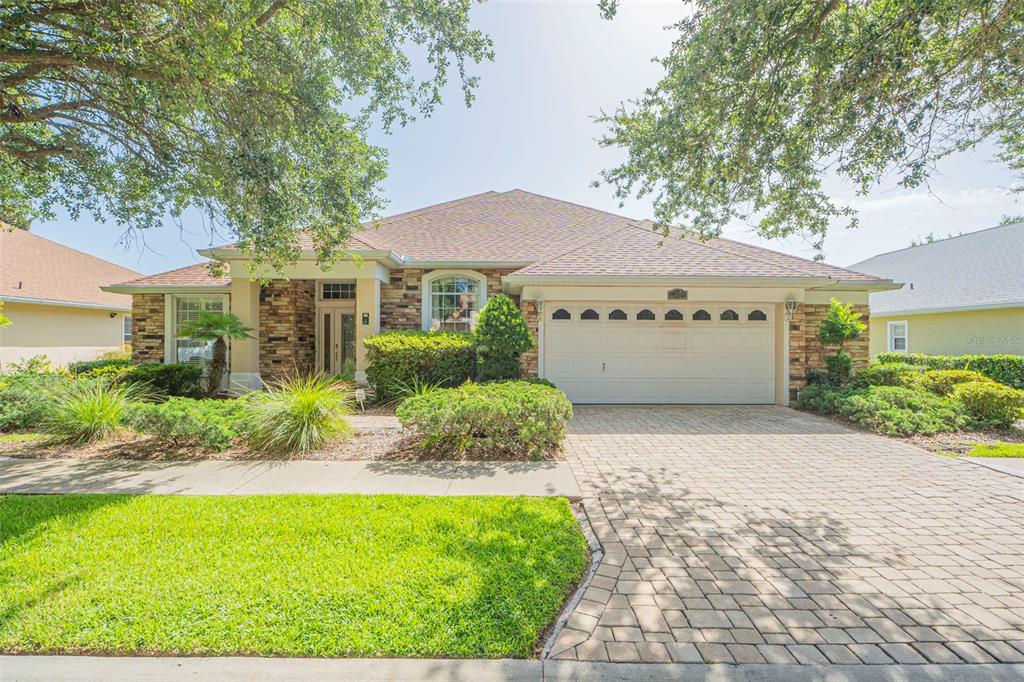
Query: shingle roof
{"points": [[637, 250], [980, 269], [514, 226], [36, 268], [190, 275], [552, 237]]}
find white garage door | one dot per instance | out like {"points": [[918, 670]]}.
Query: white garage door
{"points": [[660, 353]]}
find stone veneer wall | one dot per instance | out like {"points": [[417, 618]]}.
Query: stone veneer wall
{"points": [[287, 328], [529, 359], [400, 298], [806, 352], [148, 327]]}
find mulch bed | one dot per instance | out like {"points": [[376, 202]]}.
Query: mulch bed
{"points": [[963, 442]]}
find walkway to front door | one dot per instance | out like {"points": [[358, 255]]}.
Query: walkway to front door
{"points": [[761, 534]]}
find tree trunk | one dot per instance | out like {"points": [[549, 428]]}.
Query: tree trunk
{"points": [[217, 365]]}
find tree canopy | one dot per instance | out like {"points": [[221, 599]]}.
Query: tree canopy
{"points": [[763, 99], [253, 111]]}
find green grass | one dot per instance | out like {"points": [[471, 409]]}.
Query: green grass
{"points": [[21, 437], [997, 450], [292, 575]]}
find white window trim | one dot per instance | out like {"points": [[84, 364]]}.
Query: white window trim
{"points": [[428, 280], [889, 336], [170, 305]]}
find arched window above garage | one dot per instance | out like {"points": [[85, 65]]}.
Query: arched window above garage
{"points": [[757, 316]]}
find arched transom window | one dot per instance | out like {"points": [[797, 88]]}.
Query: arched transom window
{"points": [[453, 300]]}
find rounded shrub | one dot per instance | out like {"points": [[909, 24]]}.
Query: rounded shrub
{"points": [[501, 336], [165, 380], [298, 414], [400, 359], [181, 422], [513, 417], [990, 404], [26, 398], [943, 381], [821, 398]]}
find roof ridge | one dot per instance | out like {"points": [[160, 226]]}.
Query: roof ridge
{"points": [[433, 207], [788, 255], [571, 203], [11, 229], [943, 240]]}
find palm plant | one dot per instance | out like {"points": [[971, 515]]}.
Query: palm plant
{"points": [[218, 328]]}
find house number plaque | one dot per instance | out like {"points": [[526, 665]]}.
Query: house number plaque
{"points": [[677, 294]]}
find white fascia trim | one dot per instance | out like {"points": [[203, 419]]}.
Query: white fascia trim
{"points": [[67, 304], [164, 289], [365, 254], [938, 311]]}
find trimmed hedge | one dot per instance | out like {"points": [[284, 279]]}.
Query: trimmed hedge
{"points": [[90, 366], [517, 417], [943, 381], [25, 399], [404, 358], [1006, 369], [887, 374], [170, 380], [179, 422]]}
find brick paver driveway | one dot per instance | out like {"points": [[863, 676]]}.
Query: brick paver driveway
{"points": [[761, 534]]}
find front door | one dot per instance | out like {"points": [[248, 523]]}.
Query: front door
{"points": [[336, 339]]}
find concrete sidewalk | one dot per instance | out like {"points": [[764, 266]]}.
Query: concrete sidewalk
{"points": [[110, 669], [209, 477], [1014, 466]]}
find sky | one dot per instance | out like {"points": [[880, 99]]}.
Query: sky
{"points": [[556, 66]]}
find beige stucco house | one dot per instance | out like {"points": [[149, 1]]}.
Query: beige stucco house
{"points": [[620, 314], [962, 296], [52, 295]]}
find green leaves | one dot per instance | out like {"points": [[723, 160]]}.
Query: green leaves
{"points": [[211, 326], [762, 99], [501, 336], [841, 324], [254, 112]]}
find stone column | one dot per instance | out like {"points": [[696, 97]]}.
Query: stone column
{"points": [[245, 354]]}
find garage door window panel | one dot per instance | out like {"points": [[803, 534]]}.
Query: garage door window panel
{"points": [[701, 316], [757, 316], [673, 315], [590, 314], [729, 315], [561, 314], [617, 314]]}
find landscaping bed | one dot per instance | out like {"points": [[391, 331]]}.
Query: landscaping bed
{"points": [[295, 575]]}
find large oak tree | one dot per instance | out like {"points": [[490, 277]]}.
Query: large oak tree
{"points": [[763, 99], [254, 111]]}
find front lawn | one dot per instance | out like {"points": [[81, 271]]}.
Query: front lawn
{"points": [[997, 450], [294, 575]]}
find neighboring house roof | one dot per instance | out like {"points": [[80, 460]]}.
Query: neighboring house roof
{"points": [[197, 275], [551, 238], [982, 269], [38, 270]]}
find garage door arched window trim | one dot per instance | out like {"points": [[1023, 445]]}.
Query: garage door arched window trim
{"points": [[617, 314], [701, 316], [645, 315], [757, 315], [589, 314], [673, 315], [729, 315], [561, 314]]}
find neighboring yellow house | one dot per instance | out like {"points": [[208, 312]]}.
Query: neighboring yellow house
{"points": [[52, 295], [961, 296]]}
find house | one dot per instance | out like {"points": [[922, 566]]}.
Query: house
{"points": [[961, 296], [620, 313], [53, 297]]}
